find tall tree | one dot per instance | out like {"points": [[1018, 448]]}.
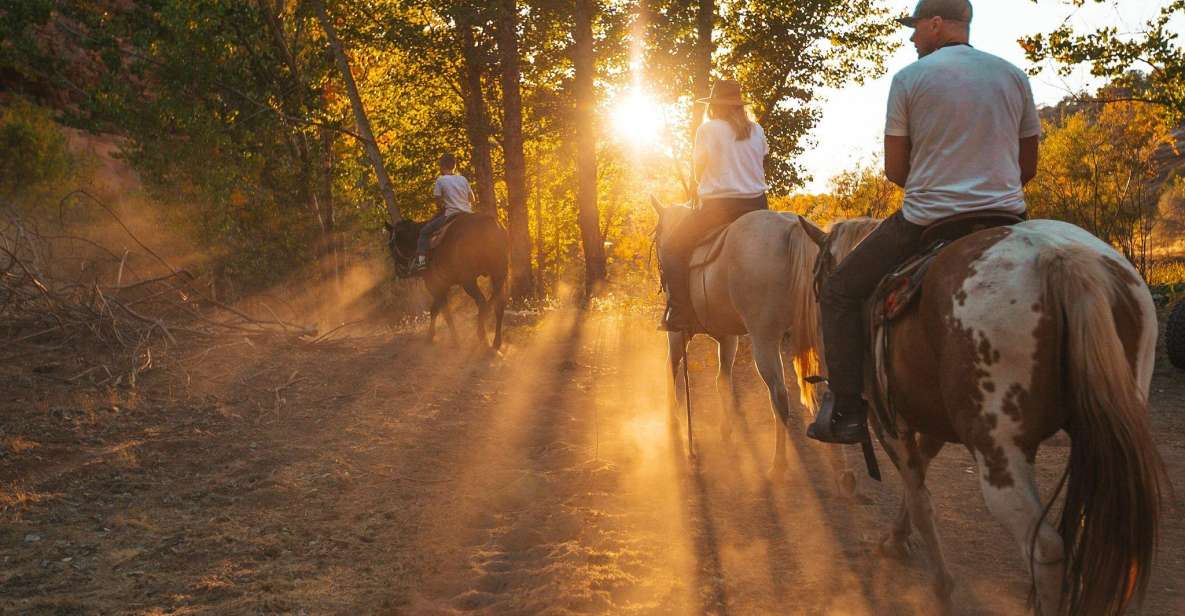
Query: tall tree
{"points": [[522, 280], [477, 123], [701, 64], [361, 121], [584, 64]]}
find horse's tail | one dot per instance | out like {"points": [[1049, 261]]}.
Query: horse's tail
{"points": [[805, 335], [1115, 474]]}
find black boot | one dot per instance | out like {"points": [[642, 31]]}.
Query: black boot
{"points": [[841, 420], [677, 319]]}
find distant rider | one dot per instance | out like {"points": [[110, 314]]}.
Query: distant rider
{"points": [[728, 162], [960, 136], [453, 196]]}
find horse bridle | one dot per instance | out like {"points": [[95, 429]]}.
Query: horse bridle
{"points": [[402, 261]]}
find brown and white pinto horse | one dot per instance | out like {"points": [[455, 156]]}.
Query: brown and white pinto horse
{"points": [[1021, 332]]}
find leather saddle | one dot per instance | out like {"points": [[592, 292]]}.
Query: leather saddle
{"points": [[440, 233], [713, 238], [900, 289]]}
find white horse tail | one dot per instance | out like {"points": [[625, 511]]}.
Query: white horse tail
{"points": [[805, 335], [1115, 474]]}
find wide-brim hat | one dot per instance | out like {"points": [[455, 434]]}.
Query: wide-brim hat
{"points": [[725, 92], [950, 10]]}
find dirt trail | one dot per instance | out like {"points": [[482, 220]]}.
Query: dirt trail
{"points": [[381, 475]]}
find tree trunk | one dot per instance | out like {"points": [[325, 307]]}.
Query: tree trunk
{"points": [[584, 63], [477, 126], [522, 279], [701, 75], [360, 119], [329, 253], [540, 284]]}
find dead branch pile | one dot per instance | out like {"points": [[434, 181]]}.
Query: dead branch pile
{"points": [[61, 291]]}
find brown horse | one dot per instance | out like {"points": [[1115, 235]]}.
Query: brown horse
{"points": [[474, 245], [1020, 332]]}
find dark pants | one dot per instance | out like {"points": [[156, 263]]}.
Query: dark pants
{"points": [[846, 290], [425, 242], [676, 253]]}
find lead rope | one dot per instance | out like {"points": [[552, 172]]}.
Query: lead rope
{"points": [[687, 394]]}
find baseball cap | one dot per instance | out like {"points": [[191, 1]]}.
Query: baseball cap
{"points": [[951, 10]]}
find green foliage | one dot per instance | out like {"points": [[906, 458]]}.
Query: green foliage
{"points": [[34, 149], [1101, 171], [782, 53], [1115, 54]]}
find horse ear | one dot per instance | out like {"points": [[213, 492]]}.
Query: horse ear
{"points": [[658, 207], [817, 235]]}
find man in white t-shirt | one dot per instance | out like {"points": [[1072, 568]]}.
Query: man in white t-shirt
{"points": [[453, 196], [961, 135]]}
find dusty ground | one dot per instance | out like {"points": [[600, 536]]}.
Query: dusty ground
{"points": [[377, 474]]}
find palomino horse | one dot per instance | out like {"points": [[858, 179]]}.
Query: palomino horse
{"points": [[758, 283], [1020, 332], [474, 245]]}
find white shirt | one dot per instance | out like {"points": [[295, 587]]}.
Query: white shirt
{"points": [[964, 112], [731, 168], [454, 193]]}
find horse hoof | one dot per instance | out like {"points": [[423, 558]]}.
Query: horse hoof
{"points": [[846, 483], [893, 549], [944, 587]]}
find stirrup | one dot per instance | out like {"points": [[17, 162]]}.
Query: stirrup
{"points": [[837, 429]]}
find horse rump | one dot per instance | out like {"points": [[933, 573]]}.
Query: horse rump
{"points": [[1115, 474]]}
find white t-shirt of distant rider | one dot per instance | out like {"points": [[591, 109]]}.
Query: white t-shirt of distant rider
{"points": [[964, 112], [454, 193], [731, 168]]}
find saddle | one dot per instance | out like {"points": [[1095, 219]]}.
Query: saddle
{"points": [[439, 236], [714, 238], [900, 290]]}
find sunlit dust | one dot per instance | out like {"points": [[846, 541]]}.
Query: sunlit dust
{"points": [[637, 118]]}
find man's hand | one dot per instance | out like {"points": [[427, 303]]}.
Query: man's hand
{"points": [[897, 159], [1028, 158]]}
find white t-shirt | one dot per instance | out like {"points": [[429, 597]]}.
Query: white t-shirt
{"points": [[731, 168], [455, 193], [964, 112]]}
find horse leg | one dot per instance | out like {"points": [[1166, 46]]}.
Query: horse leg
{"points": [[1013, 499], [499, 299], [907, 456], [895, 542], [482, 308], [676, 348], [767, 354], [726, 352], [438, 302], [447, 310]]}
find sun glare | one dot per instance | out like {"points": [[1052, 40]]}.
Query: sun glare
{"points": [[637, 118]]}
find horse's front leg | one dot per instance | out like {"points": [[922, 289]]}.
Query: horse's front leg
{"points": [[726, 353], [676, 353], [895, 543], [452, 327], [912, 459], [482, 308], [439, 302]]}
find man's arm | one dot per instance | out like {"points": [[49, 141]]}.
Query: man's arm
{"points": [[1028, 158], [897, 159]]}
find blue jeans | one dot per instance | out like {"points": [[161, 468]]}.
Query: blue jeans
{"points": [[426, 232]]}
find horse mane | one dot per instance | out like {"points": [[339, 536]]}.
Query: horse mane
{"points": [[846, 234]]}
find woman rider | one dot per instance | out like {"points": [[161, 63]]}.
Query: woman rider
{"points": [[728, 166]]}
